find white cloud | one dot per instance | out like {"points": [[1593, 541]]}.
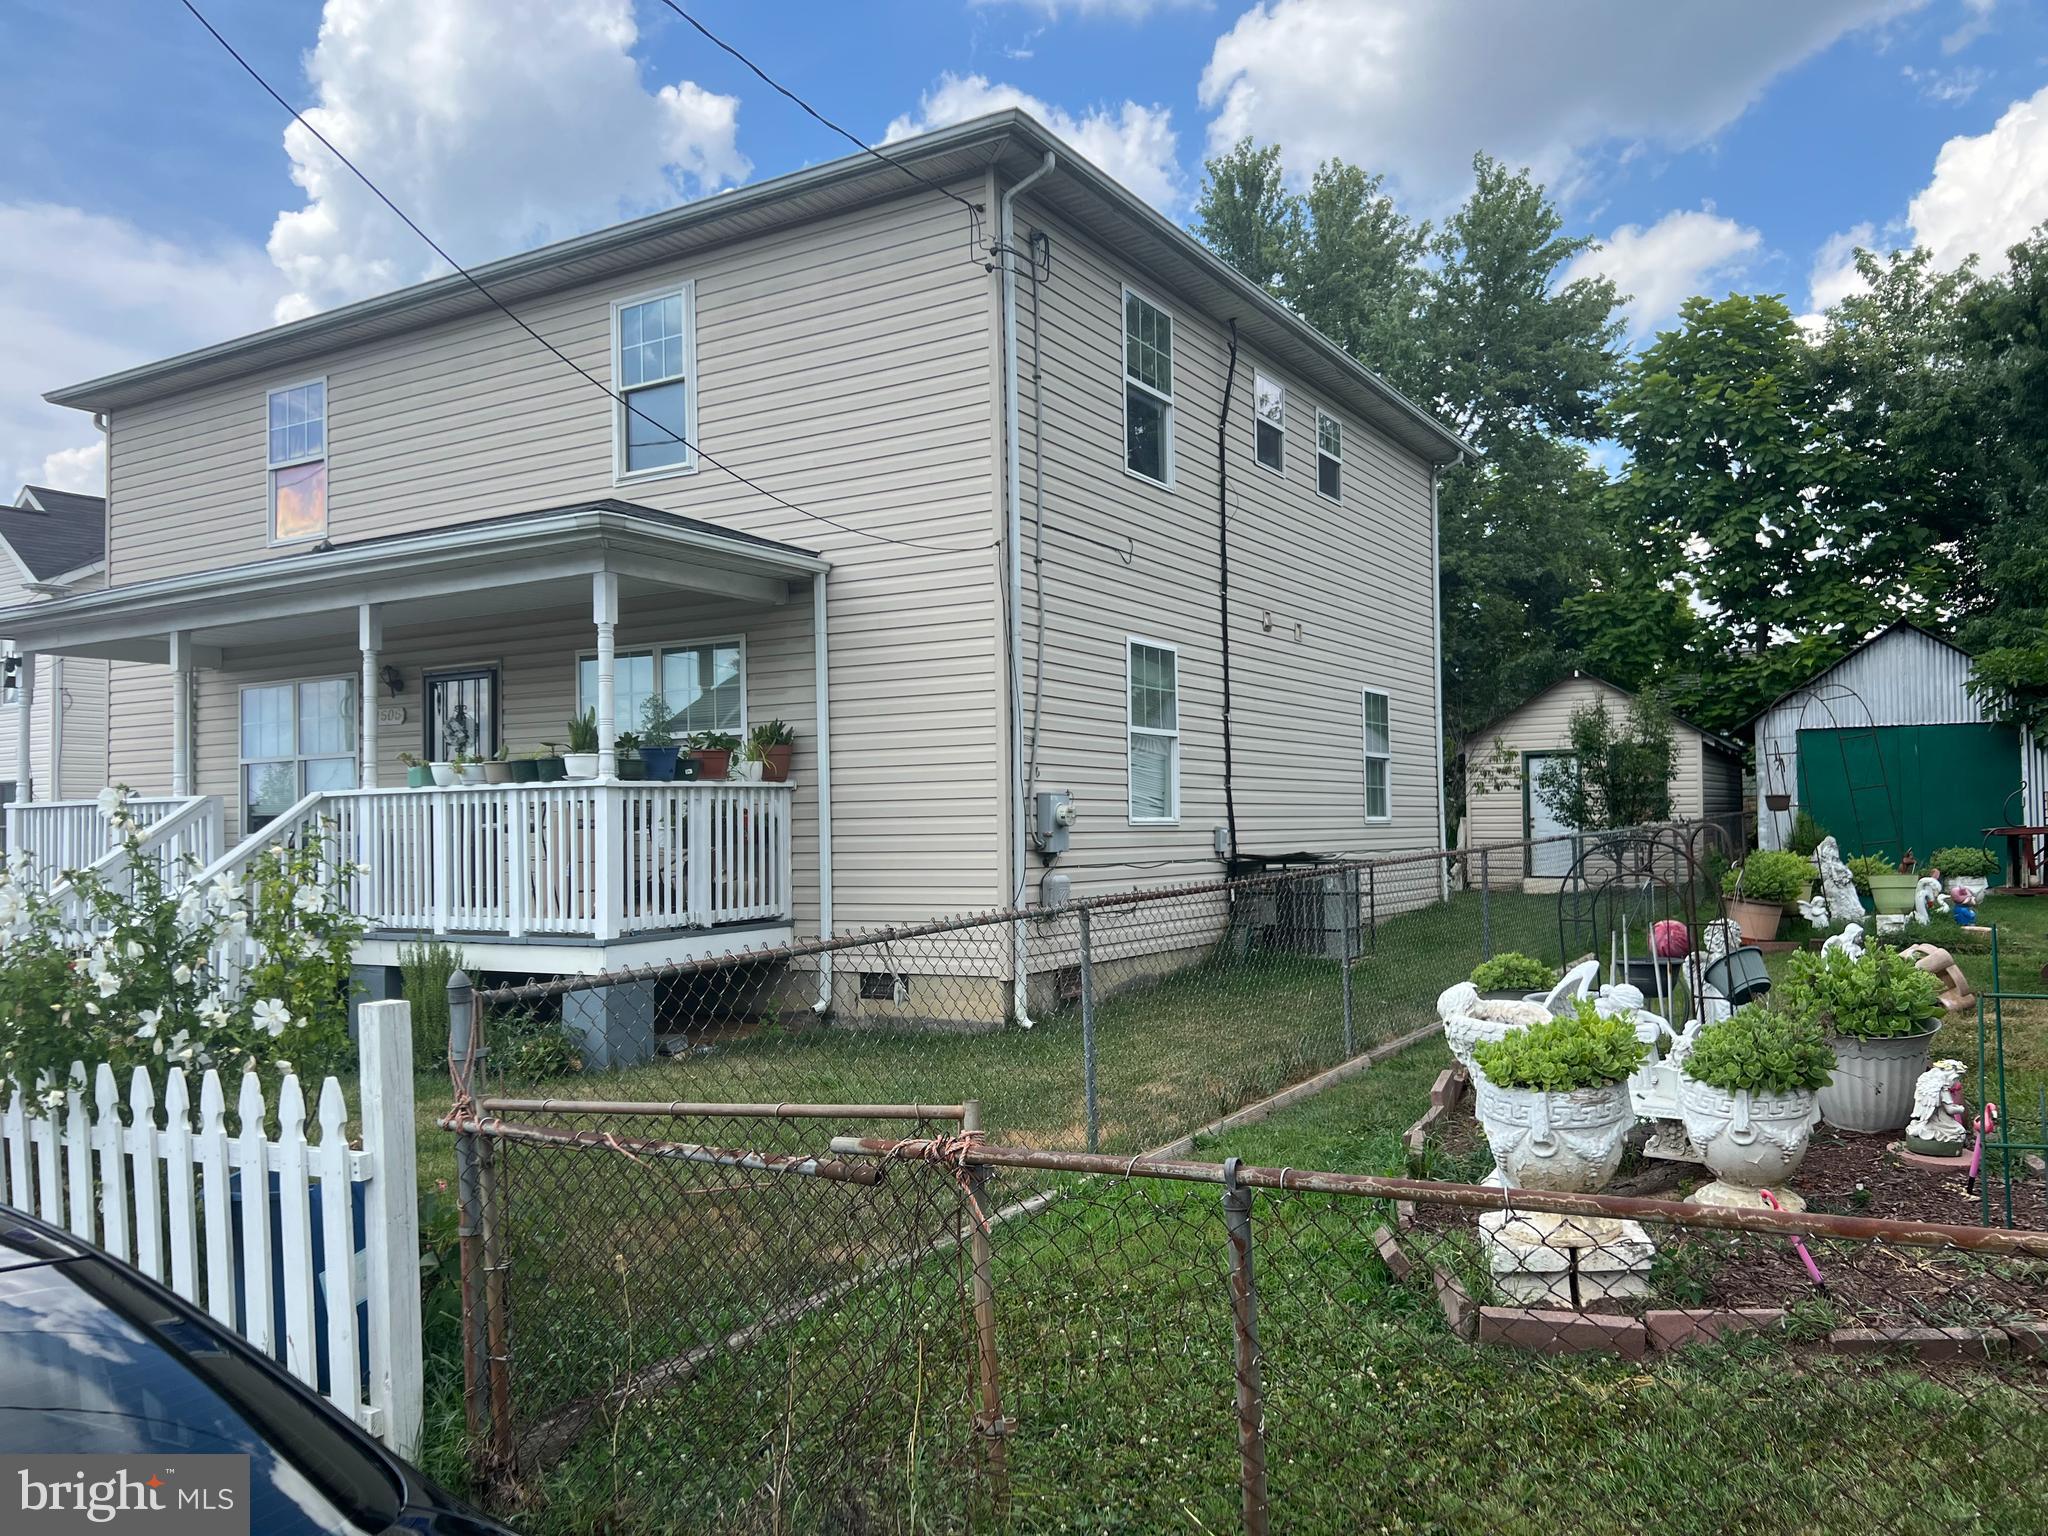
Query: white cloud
{"points": [[1988, 191], [1975, 24], [1834, 276], [1136, 144], [1688, 251], [497, 124], [1413, 87], [82, 294], [1947, 87]]}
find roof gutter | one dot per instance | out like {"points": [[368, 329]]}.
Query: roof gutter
{"points": [[1013, 561]]}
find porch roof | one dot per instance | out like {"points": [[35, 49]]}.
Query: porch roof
{"points": [[516, 563]]}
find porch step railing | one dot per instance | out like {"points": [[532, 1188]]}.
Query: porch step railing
{"points": [[72, 834], [584, 859], [185, 838]]}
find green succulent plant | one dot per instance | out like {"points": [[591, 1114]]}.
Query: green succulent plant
{"points": [[1879, 996], [1580, 1049], [1761, 1050], [1512, 971], [1768, 876], [1964, 863]]}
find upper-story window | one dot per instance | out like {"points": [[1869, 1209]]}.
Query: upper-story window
{"points": [[298, 462], [1329, 456], [1148, 389], [1269, 415], [654, 361]]}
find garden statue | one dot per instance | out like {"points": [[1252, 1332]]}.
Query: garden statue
{"points": [[1964, 905], [1849, 941], [1837, 884], [1940, 1126], [1956, 995], [1928, 896]]}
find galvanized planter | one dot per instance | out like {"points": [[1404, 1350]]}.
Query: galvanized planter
{"points": [[1872, 1089]]}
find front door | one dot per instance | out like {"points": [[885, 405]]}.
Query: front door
{"points": [[461, 713]]}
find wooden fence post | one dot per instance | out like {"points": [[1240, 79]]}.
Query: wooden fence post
{"points": [[392, 1222]]}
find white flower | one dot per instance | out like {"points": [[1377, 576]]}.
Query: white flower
{"points": [[182, 975], [213, 1013], [191, 906], [227, 890], [113, 802], [53, 1098], [234, 930], [109, 983], [10, 907], [309, 898], [182, 1049], [150, 1018], [135, 950], [270, 1015]]}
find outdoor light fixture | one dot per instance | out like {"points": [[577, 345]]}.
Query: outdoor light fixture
{"points": [[394, 680]]}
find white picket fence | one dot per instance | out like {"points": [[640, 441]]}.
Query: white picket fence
{"points": [[173, 1198]]}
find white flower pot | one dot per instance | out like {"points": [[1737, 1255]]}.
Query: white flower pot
{"points": [[471, 773], [1750, 1141], [580, 765], [1872, 1089], [1467, 1022], [444, 773], [1567, 1143]]}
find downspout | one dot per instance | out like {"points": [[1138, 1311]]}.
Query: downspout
{"points": [[1037, 518], [57, 727], [1436, 621], [1223, 589], [821, 661], [1006, 236]]}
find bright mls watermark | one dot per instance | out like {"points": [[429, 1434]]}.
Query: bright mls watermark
{"points": [[172, 1495]]}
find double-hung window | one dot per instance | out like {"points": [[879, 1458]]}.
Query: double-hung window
{"points": [[1148, 389], [1329, 456], [654, 364], [1154, 725], [1269, 416], [1379, 757], [297, 462], [704, 686], [296, 737]]}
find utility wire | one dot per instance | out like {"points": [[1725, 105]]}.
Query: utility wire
{"points": [[499, 304]]}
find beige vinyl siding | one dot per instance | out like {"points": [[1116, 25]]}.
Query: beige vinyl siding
{"points": [[1356, 577], [846, 365], [83, 717]]}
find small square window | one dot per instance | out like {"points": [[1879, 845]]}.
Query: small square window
{"points": [[1269, 414]]}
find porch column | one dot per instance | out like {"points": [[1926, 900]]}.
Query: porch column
{"points": [[181, 712], [24, 725], [604, 597], [370, 637]]}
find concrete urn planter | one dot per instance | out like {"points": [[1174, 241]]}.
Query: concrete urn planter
{"points": [[1469, 1018], [1750, 1141], [1872, 1089], [1567, 1143]]}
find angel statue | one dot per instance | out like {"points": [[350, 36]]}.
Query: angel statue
{"points": [[1940, 1126]]}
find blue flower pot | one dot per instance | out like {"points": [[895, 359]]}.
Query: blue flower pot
{"points": [[660, 762]]}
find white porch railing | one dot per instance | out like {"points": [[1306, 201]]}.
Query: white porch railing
{"points": [[71, 834], [587, 859], [209, 1212], [185, 838]]}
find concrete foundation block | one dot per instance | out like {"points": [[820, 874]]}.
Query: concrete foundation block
{"points": [[612, 1026]]}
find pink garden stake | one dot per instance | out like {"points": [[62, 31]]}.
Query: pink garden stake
{"points": [[1798, 1242], [1987, 1122]]}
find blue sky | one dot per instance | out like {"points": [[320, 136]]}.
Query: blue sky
{"points": [[148, 199]]}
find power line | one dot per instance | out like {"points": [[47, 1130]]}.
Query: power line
{"points": [[811, 111], [499, 304]]}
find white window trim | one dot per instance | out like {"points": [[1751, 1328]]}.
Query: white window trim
{"points": [[295, 757], [657, 648], [1279, 469], [1123, 368], [1367, 754], [270, 466], [687, 291], [1323, 453], [1131, 728]]}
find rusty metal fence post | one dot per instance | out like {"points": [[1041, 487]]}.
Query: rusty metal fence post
{"points": [[1088, 1030], [1244, 1319], [989, 1422], [465, 1054], [1345, 929]]}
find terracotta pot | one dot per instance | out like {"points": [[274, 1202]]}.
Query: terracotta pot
{"points": [[1872, 1088], [1750, 1141], [775, 764], [712, 763], [1566, 1143], [1758, 920]]}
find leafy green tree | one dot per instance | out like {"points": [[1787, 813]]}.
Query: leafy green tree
{"points": [[1619, 771], [1245, 212]]}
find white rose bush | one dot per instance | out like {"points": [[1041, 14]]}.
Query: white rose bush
{"points": [[133, 977]]}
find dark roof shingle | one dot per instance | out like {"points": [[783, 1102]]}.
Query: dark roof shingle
{"points": [[61, 531]]}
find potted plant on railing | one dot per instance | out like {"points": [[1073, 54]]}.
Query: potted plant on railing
{"points": [[418, 775], [497, 769], [626, 756], [1748, 1091], [1553, 1099], [1512, 975], [468, 770], [658, 749], [713, 751], [1880, 1013], [580, 761], [1758, 890], [525, 768], [1970, 868], [548, 766], [771, 745]]}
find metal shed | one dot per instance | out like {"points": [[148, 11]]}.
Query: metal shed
{"points": [[1889, 751]]}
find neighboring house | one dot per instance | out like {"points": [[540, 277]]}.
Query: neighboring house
{"points": [[1503, 760], [332, 535], [53, 728], [1889, 750]]}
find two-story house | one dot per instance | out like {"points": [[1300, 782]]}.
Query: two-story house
{"points": [[972, 467], [53, 718]]}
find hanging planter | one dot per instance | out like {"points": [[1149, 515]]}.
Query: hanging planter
{"points": [[1778, 802]]}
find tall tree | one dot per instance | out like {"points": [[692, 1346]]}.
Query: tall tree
{"points": [[1354, 271], [1245, 213]]}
